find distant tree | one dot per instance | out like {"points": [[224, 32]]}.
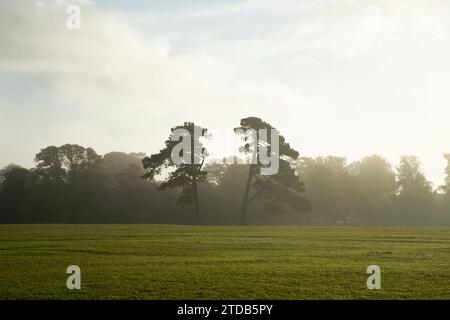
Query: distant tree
{"points": [[72, 183], [217, 169], [120, 162], [446, 186], [75, 169], [130, 197], [331, 189], [13, 193], [376, 187], [185, 176], [49, 164], [275, 191], [4, 170], [415, 199], [228, 185], [445, 197]]}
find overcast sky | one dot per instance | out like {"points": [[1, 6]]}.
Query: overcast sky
{"points": [[348, 78]]}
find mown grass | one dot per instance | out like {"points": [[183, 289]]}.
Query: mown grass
{"points": [[185, 262]]}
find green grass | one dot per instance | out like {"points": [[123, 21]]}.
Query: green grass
{"points": [[184, 262]]}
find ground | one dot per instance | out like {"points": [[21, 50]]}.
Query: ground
{"points": [[186, 262]]}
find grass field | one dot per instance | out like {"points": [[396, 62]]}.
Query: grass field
{"points": [[184, 262]]}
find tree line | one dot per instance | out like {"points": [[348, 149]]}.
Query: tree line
{"points": [[74, 184]]}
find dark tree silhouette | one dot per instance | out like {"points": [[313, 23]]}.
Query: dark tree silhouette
{"points": [[72, 184], [13, 193], [74, 168], [275, 191], [49, 165], [185, 175]]}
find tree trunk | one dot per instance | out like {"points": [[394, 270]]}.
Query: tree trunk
{"points": [[196, 204], [245, 197]]}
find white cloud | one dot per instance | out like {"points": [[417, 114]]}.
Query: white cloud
{"points": [[120, 89]]}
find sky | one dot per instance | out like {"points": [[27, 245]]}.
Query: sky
{"points": [[336, 77]]}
